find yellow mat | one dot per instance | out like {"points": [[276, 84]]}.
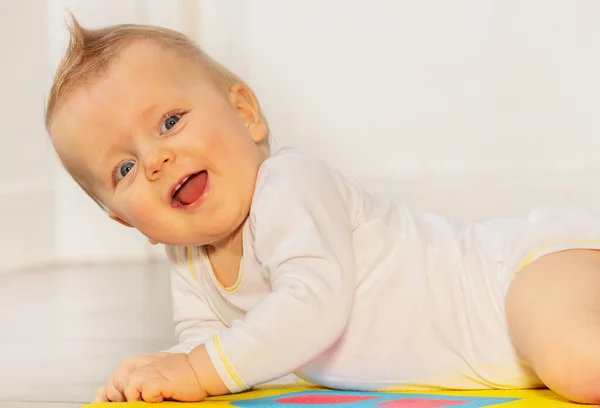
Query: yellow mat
{"points": [[316, 397]]}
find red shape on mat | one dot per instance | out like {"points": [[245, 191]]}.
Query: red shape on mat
{"points": [[419, 403], [323, 399]]}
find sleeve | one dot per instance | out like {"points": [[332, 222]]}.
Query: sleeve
{"points": [[303, 238], [195, 322]]}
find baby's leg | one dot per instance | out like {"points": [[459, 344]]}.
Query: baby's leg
{"points": [[553, 312]]}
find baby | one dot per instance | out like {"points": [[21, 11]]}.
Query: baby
{"points": [[281, 264]]}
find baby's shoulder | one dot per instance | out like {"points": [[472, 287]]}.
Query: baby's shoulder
{"points": [[289, 168], [291, 183], [291, 159]]}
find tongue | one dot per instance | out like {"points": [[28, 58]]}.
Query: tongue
{"points": [[192, 189]]}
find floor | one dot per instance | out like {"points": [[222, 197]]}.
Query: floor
{"points": [[64, 330]]}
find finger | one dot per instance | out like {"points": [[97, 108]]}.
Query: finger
{"points": [[156, 389], [133, 387], [100, 395], [124, 370], [119, 378], [113, 394]]}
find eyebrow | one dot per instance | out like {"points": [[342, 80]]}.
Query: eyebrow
{"points": [[105, 177], [147, 112]]}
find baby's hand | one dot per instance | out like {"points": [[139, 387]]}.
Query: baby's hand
{"points": [[168, 377], [113, 390]]}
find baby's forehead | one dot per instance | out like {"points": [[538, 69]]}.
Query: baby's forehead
{"points": [[137, 76], [76, 141], [150, 57], [145, 64]]}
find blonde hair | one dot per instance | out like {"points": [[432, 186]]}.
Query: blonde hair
{"points": [[90, 51]]}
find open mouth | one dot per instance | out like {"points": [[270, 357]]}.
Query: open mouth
{"points": [[190, 189]]}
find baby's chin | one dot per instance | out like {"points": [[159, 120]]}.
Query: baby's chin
{"points": [[191, 239], [196, 230]]}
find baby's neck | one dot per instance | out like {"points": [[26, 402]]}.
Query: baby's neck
{"points": [[225, 258]]}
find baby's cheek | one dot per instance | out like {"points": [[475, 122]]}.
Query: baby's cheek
{"points": [[212, 144], [139, 211], [143, 216]]}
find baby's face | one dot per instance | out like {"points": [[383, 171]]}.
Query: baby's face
{"points": [[157, 143]]}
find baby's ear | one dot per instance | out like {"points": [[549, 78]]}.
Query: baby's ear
{"points": [[117, 219], [242, 99]]}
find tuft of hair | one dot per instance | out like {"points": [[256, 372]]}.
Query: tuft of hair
{"points": [[90, 51]]}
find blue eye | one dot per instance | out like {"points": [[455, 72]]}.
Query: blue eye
{"points": [[124, 169], [169, 123]]}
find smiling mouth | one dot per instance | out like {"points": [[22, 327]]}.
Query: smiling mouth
{"points": [[190, 189]]}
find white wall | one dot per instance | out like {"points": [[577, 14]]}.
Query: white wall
{"points": [[394, 86], [442, 104], [475, 108], [26, 207]]}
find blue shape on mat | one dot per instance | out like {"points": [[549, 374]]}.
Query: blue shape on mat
{"points": [[375, 400]]}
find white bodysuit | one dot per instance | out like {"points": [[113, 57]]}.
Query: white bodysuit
{"points": [[356, 292]]}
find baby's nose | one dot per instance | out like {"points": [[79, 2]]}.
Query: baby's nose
{"points": [[156, 163]]}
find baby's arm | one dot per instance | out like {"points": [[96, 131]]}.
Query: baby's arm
{"points": [[303, 238], [195, 322]]}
